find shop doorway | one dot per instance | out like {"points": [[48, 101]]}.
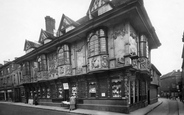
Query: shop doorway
{"points": [[66, 95], [66, 91]]}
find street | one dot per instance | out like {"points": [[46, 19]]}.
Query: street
{"points": [[168, 107], [8, 109]]}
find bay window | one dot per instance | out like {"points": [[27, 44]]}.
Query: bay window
{"points": [[97, 43], [63, 55], [42, 63], [144, 51], [26, 68]]}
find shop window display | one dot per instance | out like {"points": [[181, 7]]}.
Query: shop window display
{"points": [[39, 92], [48, 92], [31, 94], [43, 92], [92, 89], [74, 89], [116, 88], [60, 91]]}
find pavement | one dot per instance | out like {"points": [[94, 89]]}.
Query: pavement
{"points": [[181, 107], [142, 111]]}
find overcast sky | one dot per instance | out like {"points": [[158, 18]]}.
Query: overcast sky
{"points": [[24, 19]]}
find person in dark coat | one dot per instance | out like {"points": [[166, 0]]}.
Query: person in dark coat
{"points": [[35, 101]]}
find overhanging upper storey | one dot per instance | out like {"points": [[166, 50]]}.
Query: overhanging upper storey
{"points": [[132, 11]]}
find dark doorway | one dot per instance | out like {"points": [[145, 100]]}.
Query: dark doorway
{"points": [[148, 96], [17, 95], [66, 95]]}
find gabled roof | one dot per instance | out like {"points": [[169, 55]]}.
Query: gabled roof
{"points": [[95, 4], [171, 74], [45, 35], [66, 22], [29, 44]]}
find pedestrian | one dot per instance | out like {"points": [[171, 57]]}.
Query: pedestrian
{"points": [[180, 97], [72, 102], [35, 100]]}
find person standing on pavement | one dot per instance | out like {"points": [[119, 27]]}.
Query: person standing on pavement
{"points": [[35, 100], [72, 102]]}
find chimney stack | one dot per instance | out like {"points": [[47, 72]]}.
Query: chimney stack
{"points": [[50, 24]]}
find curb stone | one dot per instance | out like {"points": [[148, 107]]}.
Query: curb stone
{"points": [[153, 108]]}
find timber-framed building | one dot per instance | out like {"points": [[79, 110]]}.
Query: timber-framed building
{"points": [[103, 58]]}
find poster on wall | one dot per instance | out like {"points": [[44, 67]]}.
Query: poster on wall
{"points": [[65, 86]]}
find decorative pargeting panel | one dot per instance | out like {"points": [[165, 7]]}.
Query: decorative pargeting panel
{"points": [[42, 75], [125, 44], [52, 66], [144, 64], [80, 57], [64, 70], [98, 62], [34, 71]]}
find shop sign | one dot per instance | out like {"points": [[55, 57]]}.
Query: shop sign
{"points": [[65, 86], [9, 90]]}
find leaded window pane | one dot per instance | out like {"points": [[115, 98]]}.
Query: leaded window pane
{"points": [[94, 45], [102, 33], [97, 43], [64, 55], [103, 45], [144, 49]]}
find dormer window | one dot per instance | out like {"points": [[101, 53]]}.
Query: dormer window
{"points": [[30, 46], [97, 4], [97, 43], [98, 7], [63, 55], [66, 25], [45, 37]]}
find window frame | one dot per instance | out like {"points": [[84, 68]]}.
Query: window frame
{"points": [[42, 63], [63, 55], [94, 85], [144, 47], [117, 86], [26, 69], [101, 38]]}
